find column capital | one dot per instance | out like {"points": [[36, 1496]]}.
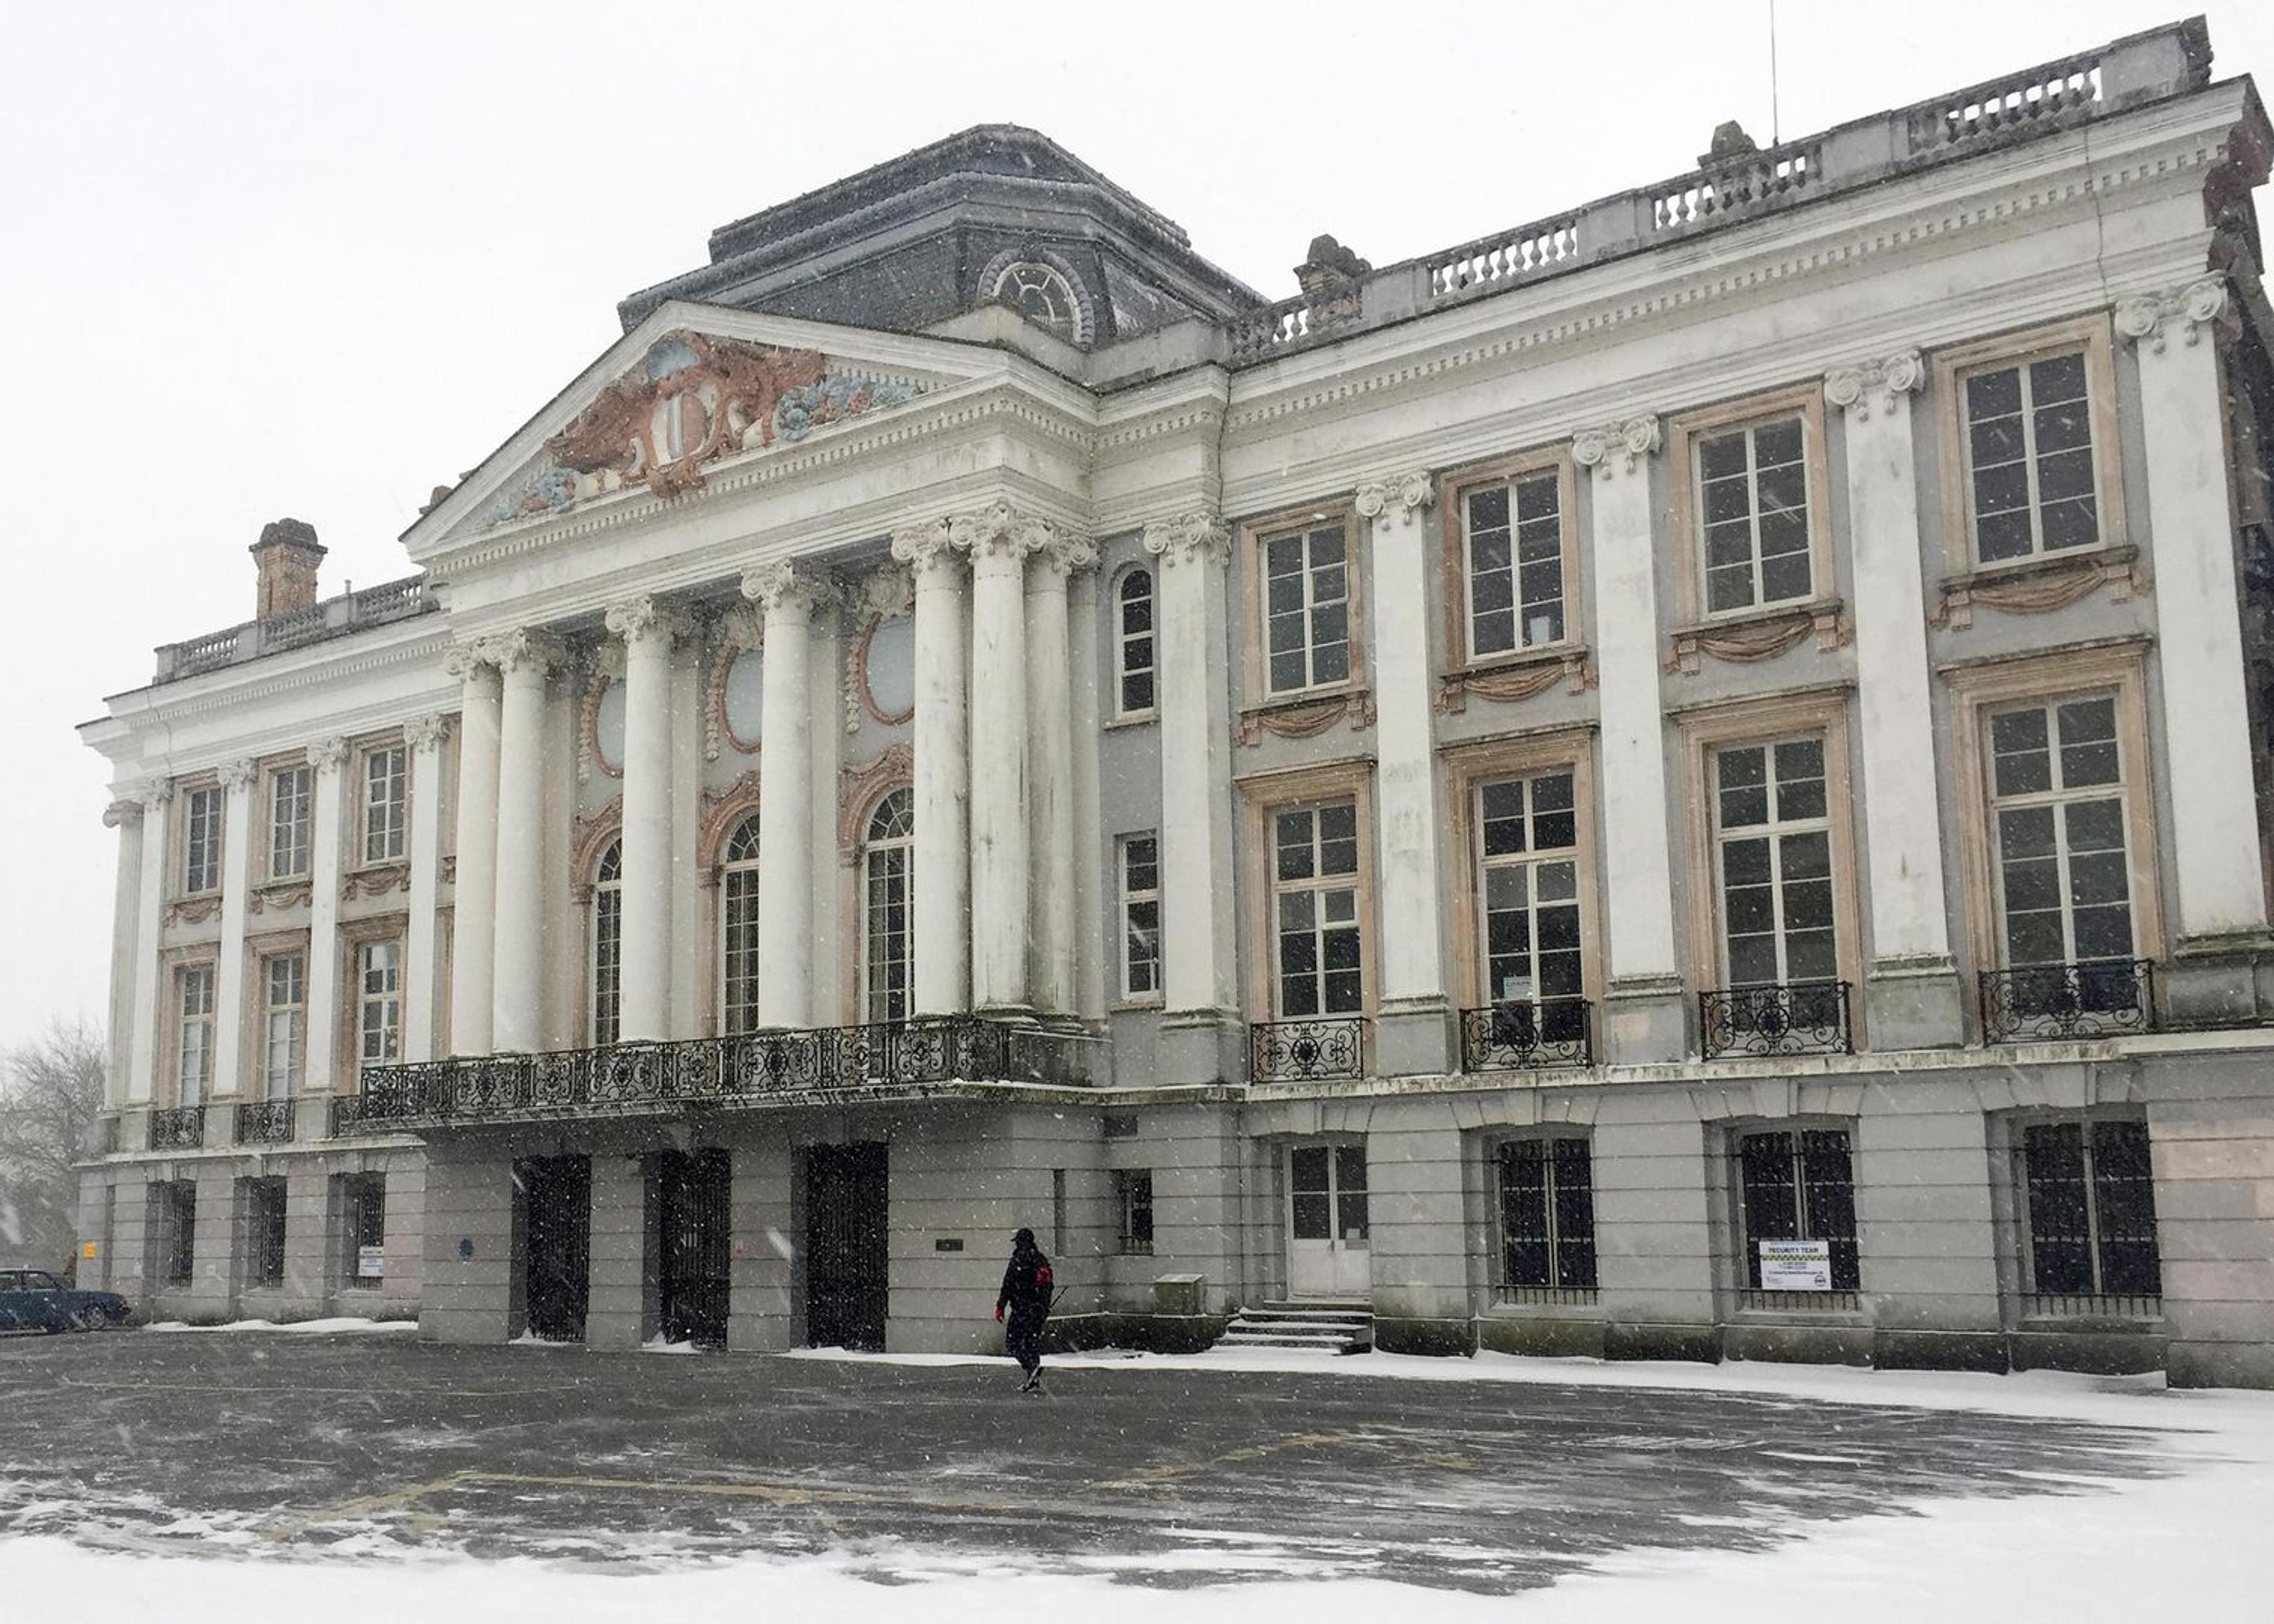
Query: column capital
{"points": [[1615, 446], [325, 755], [646, 619], [998, 531], [522, 650], [1888, 376], [2197, 306], [237, 774], [462, 660], [1061, 554], [928, 548], [1399, 497], [778, 584], [427, 733], [154, 793], [1196, 537], [122, 812]]}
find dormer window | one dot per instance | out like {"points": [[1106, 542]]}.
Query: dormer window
{"points": [[1042, 294]]}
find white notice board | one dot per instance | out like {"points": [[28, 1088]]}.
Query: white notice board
{"points": [[370, 1263], [1796, 1266]]}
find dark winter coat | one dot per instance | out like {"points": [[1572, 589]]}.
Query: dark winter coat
{"points": [[1026, 1286]]}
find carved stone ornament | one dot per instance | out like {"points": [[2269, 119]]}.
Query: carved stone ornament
{"points": [[194, 910], [737, 632], [588, 726], [2042, 586], [450, 869], [1195, 538], [155, 793], [1064, 551], [1516, 681], [1409, 491], [427, 733], [327, 754], [375, 882], [778, 584], [119, 813], [1304, 719], [1761, 636], [858, 788], [721, 812], [2200, 304], [925, 547], [645, 618], [887, 594], [281, 895], [236, 775], [522, 650], [1616, 445], [998, 531], [1887, 378]]}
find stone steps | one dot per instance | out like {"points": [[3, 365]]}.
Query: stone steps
{"points": [[1329, 1326]]}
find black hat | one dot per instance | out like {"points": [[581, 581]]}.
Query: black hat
{"points": [[1024, 1238]]}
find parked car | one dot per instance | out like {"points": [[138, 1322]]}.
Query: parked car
{"points": [[34, 1300]]}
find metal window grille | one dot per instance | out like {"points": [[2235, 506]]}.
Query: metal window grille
{"points": [[1799, 1186], [1548, 1215], [2090, 1195]]}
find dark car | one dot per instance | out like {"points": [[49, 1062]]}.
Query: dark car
{"points": [[34, 1300]]}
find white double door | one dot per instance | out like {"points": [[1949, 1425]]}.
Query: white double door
{"points": [[1328, 1232]]}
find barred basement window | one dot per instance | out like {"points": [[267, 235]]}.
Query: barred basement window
{"points": [[1798, 1186], [2091, 1200], [263, 1230], [1133, 1201], [1134, 645], [738, 930], [178, 1223], [1548, 1214], [363, 1199]]}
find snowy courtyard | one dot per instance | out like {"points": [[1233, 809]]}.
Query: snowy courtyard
{"points": [[252, 1473]]}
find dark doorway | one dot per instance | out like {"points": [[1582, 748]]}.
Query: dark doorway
{"points": [[846, 1251], [691, 1203], [556, 1194]]}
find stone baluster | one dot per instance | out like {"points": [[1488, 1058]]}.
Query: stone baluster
{"points": [[1914, 995], [473, 935], [524, 660], [941, 972], [1200, 1027], [425, 736], [327, 813], [649, 630], [1644, 1015], [1050, 939], [1413, 1025], [149, 922], [786, 935], [2222, 925], [230, 1023]]}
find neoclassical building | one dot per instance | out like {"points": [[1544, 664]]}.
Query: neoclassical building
{"points": [[1686, 779]]}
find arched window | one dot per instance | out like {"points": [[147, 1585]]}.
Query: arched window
{"points": [[738, 929], [608, 945], [1132, 643], [888, 879]]}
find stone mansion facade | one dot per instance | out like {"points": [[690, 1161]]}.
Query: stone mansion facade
{"points": [[1686, 779]]}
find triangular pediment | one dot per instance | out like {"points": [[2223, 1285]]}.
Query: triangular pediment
{"points": [[691, 389]]}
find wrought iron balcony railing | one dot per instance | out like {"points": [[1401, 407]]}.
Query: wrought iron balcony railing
{"points": [[179, 1127], [1296, 1051], [266, 1121], [1523, 1037], [1789, 1018], [636, 1079], [2096, 998]]}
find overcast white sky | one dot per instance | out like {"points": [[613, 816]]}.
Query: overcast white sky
{"points": [[315, 259]]}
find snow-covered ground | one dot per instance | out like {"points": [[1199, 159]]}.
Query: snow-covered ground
{"points": [[2192, 1547]]}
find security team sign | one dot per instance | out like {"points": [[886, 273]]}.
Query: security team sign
{"points": [[1796, 1266]]}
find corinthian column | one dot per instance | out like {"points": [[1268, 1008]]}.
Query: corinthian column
{"points": [[1000, 542], [1051, 938], [2221, 885], [1199, 1024], [236, 894], [1644, 1015], [1914, 991], [941, 974], [786, 949], [523, 660], [1414, 1026], [149, 918], [649, 629], [473, 937]]}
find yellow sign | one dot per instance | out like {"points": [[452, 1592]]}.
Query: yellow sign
{"points": [[88, 1250]]}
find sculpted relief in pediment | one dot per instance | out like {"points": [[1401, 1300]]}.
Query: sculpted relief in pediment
{"points": [[693, 400]]}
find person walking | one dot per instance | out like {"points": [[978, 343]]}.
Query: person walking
{"points": [[1026, 1294]]}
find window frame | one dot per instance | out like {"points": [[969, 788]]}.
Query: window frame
{"points": [[1979, 687], [2030, 1288], [1256, 535], [1706, 729], [266, 964], [1685, 434], [363, 999], [1121, 638], [266, 1201], [864, 854], [1263, 797], [1457, 581], [304, 826], [1745, 1278], [1774, 831], [731, 871], [1127, 1206], [1468, 769], [189, 796], [2055, 799], [2089, 334], [177, 1025], [1125, 898], [359, 1193], [398, 807], [1556, 1288], [604, 924], [180, 1238]]}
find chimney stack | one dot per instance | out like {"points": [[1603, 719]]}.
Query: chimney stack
{"points": [[287, 555]]}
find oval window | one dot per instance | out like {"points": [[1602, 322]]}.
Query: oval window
{"points": [[745, 691], [892, 668], [608, 728]]}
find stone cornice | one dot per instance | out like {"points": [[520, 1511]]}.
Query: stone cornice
{"points": [[1409, 492], [2200, 304], [1195, 538], [1852, 388]]}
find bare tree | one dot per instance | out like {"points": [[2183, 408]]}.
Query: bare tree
{"points": [[50, 1094]]}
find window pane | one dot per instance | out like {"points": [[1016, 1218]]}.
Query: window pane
{"points": [[2060, 1242]]}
